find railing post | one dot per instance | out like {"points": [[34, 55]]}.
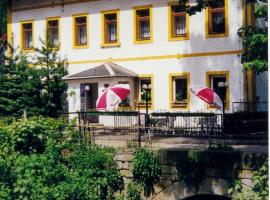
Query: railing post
{"points": [[139, 128]]}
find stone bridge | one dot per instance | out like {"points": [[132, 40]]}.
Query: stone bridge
{"points": [[198, 175]]}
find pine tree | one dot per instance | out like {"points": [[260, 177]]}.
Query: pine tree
{"points": [[52, 69], [36, 88]]}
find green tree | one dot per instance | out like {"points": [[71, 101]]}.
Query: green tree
{"points": [[52, 69], [42, 158], [35, 87]]}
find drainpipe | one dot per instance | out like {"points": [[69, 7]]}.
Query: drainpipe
{"points": [[245, 48]]}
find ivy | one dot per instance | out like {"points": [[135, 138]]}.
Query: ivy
{"points": [[146, 170]]}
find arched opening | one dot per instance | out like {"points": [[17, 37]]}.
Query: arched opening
{"points": [[207, 197]]}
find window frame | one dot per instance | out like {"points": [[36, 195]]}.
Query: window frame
{"points": [[47, 28], [128, 107], [74, 17], [208, 34], [171, 36], [135, 24], [22, 36], [104, 32], [172, 103], [140, 104], [226, 74]]}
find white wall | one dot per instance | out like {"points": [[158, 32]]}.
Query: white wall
{"points": [[160, 68]]}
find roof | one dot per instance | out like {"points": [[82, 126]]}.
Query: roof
{"points": [[102, 71]]}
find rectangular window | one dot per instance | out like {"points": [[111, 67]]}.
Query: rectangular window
{"points": [[27, 36], [80, 31], [143, 24], [178, 22], [145, 91], [179, 90], [216, 80], [110, 29], [53, 32], [217, 18]]}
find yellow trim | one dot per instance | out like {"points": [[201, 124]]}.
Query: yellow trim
{"points": [[135, 9], [103, 13], [179, 38], [21, 36], [54, 5], [172, 76], [9, 30], [250, 14], [74, 16], [53, 19], [151, 76], [220, 35], [126, 108], [251, 85], [220, 73], [159, 57]]}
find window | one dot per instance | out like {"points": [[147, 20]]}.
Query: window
{"points": [[126, 102], [217, 20], [80, 31], [213, 80], [110, 29], [179, 90], [146, 91], [143, 24], [27, 36], [53, 31], [178, 22]]}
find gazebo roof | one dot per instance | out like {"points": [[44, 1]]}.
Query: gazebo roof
{"points": [[102, 71]]}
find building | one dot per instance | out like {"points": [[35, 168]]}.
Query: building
{"points": [[152, 44]]}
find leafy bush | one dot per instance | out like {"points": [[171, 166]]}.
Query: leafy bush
{"points": [[42, 159], [134, 191], [145, 169], [260, 191]]}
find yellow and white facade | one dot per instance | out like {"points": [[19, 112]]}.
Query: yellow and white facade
{"points": [[196, 57]]}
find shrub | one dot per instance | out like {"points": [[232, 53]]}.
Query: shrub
{"points": [[43, 160], [145, 169], [134, 191]]}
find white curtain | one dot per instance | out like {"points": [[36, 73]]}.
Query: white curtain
{"points": [[180, 25]]}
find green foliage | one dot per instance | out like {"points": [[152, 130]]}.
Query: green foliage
{"points": [[260, 178], [145, 169], [38, 90], [41, 158], [255, 41], [247, 194], [134, 191], [260, 191]]}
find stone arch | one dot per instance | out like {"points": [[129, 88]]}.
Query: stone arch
{"points": [[207, 197], [213, 187]]}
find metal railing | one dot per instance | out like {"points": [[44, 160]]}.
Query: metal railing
{"points": [[133, 128], [186, 123], [260, 106]]}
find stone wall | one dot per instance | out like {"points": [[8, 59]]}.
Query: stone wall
{"points": [[189, 173]]}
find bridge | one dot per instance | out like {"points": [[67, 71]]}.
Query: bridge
{"points": [[198, 175]]}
